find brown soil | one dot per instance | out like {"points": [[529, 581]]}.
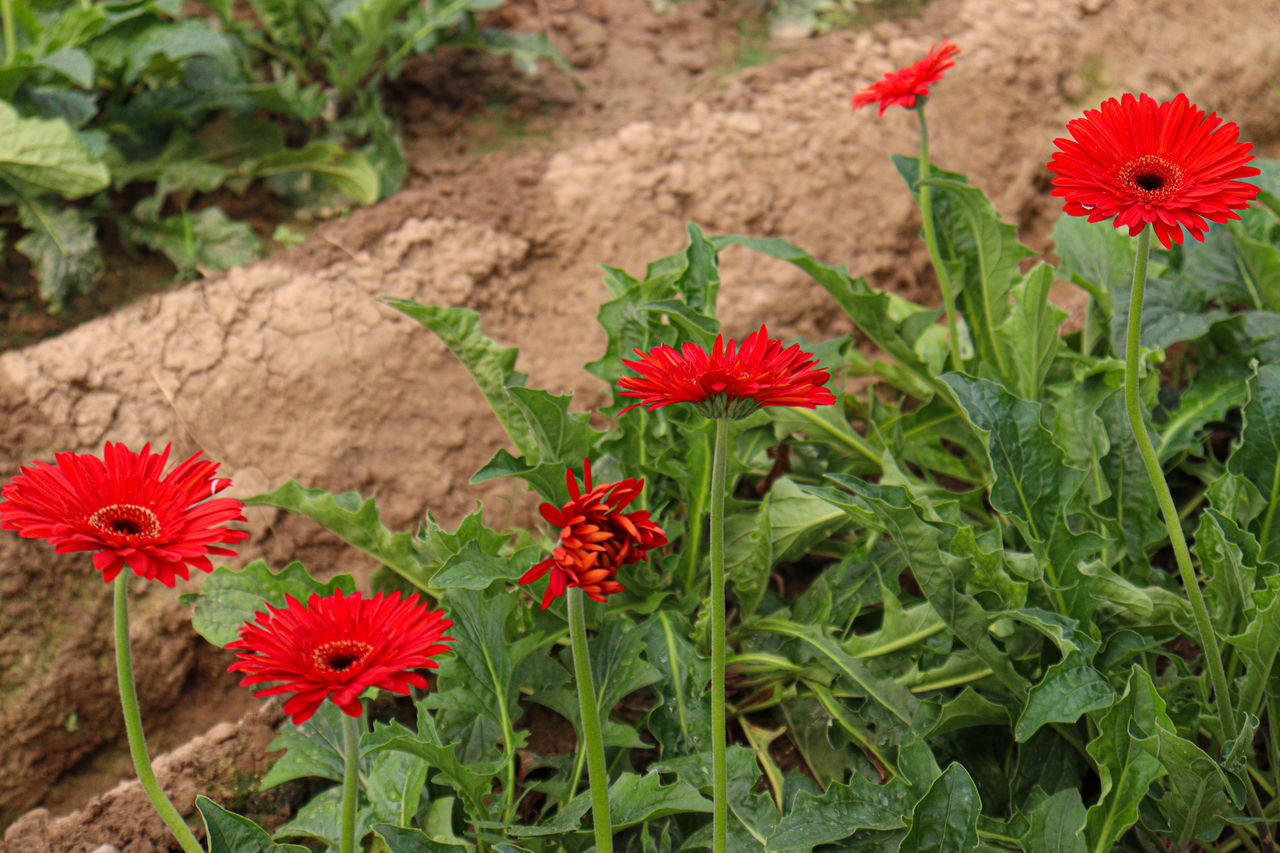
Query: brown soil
{"points": [[288, 368]]}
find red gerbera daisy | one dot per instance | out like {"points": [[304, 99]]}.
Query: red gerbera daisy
{"points": [[1168, 165], [732, 381], [902, 87], [596, 537], [121, 507], [335, 646]]}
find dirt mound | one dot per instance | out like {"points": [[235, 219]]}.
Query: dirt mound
{"points": [[289, 368]]}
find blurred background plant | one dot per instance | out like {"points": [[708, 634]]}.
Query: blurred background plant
{"points": [[143, 116]]}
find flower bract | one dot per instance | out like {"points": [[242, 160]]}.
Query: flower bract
{"points": [[901, 88], [596, 537], [1166, 165], [336, 646], [732, 381], [123, 507]]}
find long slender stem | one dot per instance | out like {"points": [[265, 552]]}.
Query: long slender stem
{"points": [[1169, 511], [350, 782], [593, 739], [133, 723], [931, 239], [10, 37], [719, 767]]}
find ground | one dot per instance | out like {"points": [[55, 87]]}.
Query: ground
{"points": [[289, 367]]}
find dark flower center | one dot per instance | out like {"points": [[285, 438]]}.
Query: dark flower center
{"points": [[1151, 178], [126, 520], [340, 655]]}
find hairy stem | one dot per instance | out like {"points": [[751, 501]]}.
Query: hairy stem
{"points": [[592, 737], [1169, 511], [133, 722], [719, 767], [350, 782], [931, 238]]}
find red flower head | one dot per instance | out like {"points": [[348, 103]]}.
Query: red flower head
{"points": [[1164, 164], [121, 507], [731, 382], [596, 537], [902, 87], [335, 646]]}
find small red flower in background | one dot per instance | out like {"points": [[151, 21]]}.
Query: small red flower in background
{"points": [[596, 537], [336, 646], [901, 88], [121, 507], [733, 381], [1167, 165]]}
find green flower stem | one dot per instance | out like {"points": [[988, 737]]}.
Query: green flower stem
{"points": [[1172, 523], [931, 239], [133, 722], [593, 739], [719, 767], [350, 782], [10, 37]]}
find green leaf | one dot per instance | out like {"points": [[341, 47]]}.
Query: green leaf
{"points": [[1257, 456], [321, 819], [562, 437], [635, 799], [680, 720], [986, 250], [196, 241], [1124, 751], [479, 678], [892, 323], [618, 669], [1258, 645], [1229, 582], [46, 155], [918, 535], [355, 521], [1196, 804], [491, 366], [1132, 501], [1029, 335], [228, 832], [401, 839], [1218, 387], [946, 817], [839, 812], [1172, 311], [1056, 823], [1096, 252], [887, 693], [474, 784], [1070, 689], [349, 172], [788, 524], [1032, 479], [62, 246], [229, 598], [312, 749]]}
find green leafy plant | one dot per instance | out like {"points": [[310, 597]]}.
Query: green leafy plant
{"points": [[135, 113], [950, 612], [972, 636]]}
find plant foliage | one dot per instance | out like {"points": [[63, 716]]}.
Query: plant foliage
{"points": [[955, 625], [148, 101]]}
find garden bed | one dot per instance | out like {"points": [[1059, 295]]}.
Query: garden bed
{"points": [[289, 369]]}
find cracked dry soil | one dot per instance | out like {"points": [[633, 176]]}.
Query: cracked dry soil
{"points": [[289, 367]]}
